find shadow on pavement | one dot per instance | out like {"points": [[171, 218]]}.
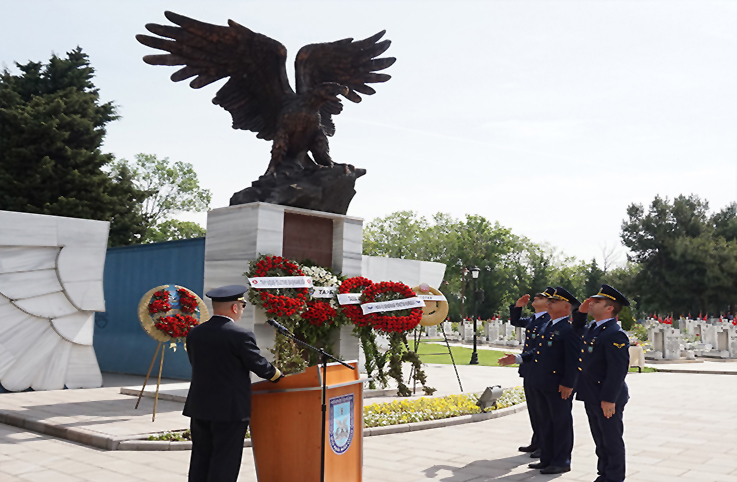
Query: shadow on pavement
{"points": [[484, 470]]}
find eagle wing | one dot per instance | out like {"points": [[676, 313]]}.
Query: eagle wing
{"points": [[347, 62], [256, 64]]}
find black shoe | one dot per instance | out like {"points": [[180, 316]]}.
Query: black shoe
{"points": [[535, 454], [537, 465], [552, 469], [529, 448]]}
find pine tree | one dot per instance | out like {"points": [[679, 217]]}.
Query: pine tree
{"points": [[52, 125]]}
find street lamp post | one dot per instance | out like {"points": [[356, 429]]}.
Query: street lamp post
{"points": [[475, 274]]}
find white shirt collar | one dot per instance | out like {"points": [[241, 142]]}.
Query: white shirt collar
{"points": [[538, 315], [558, 319], [599, 323]]}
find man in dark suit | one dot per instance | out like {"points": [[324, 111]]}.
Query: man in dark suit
{"points": [[532, 326], [222, 355], [555, 367], [601, 387]]}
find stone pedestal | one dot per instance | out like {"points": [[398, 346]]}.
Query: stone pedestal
{"points": [[236, 235]]}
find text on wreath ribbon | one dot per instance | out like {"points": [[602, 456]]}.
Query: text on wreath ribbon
{"points": [[272, 282], [393, 305]]}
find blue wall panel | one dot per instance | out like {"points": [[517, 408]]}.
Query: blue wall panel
{"points": [[120, 343]]}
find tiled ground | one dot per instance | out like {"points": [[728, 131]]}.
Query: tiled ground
{"points": [[679, 427]]}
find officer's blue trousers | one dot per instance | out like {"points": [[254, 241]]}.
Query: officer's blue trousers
{"points": [[607, 433], [556, 427], [217, 448], [529, 395]]}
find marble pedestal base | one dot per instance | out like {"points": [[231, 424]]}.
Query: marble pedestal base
{"points": [[236, 235]]}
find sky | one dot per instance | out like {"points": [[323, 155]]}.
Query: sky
{"points": [[548, 116]]}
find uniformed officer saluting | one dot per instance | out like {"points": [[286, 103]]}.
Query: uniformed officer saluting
{"points": [[555, 369], [601, 385], [222, 355], [532, 327]]}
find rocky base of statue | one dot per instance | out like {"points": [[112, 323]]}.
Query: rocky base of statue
{"points": [[319, 188]]}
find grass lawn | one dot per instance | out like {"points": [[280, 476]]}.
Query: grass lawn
{"points": [[461, 354]]}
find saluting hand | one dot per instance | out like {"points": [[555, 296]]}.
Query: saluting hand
{"points": [[584, 308], [508, 359], [608, 408], [522, 302], [565, 392]]}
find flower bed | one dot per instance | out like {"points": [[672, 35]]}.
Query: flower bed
{"points": [[405, 411], [425, 408]]}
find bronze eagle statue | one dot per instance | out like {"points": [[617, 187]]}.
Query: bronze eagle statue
{"points": [[258, 95]]}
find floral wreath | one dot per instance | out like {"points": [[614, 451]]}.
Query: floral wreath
{"points": [[320, 311], [284, 303], [154, 314], [354, 313], [391, 321]]}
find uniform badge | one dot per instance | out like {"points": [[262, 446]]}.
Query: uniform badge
{"points": [[619, 345], [550, 342], [341, 423], [534, 335], [591, 349]]}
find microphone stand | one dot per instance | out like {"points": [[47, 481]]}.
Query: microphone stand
{"points": [[324, 356]]}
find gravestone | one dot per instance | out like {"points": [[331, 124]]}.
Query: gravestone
{"points": [[491, 330], [466, 330], [520, 332], [431, 331], [709, 334], [666, 342]]}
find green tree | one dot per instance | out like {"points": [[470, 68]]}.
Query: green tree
{"points": [[52, 124], [594, 279], [173, 229], [687, 260], [169, 188]]}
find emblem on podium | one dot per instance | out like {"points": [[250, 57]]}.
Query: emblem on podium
{"points": [[341, 423]]}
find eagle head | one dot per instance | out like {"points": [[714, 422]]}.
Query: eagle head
{"points": [[330, 90]]}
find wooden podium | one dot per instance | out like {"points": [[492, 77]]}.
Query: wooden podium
{"points": [[286, 426]]}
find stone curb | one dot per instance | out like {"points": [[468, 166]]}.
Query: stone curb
{"points": [[95, 439], [79, 435], [387, 392], [698, 372], [153, 445]]}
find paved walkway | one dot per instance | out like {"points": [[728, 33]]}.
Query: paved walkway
{"points": [[679, 427]]}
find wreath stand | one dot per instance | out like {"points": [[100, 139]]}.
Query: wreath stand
{"points": [[158, 380], [149, 326], [417, 338]]}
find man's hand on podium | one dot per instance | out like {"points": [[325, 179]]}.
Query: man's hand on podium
{"points": [[277, 376]]}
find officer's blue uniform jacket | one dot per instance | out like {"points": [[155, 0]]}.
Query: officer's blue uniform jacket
{"points": [[532, 325], [605, 362], [555, 358], [222, 355]]}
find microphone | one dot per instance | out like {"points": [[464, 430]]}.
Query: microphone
{"points": [[277, 326]]}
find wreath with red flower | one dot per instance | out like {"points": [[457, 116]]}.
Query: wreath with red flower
{"points": [[319, 313], [391, 321], [161, 321], [284, 303], [353, 312]]}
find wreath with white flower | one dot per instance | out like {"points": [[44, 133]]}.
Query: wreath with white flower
{"points": [[323, 316]]}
